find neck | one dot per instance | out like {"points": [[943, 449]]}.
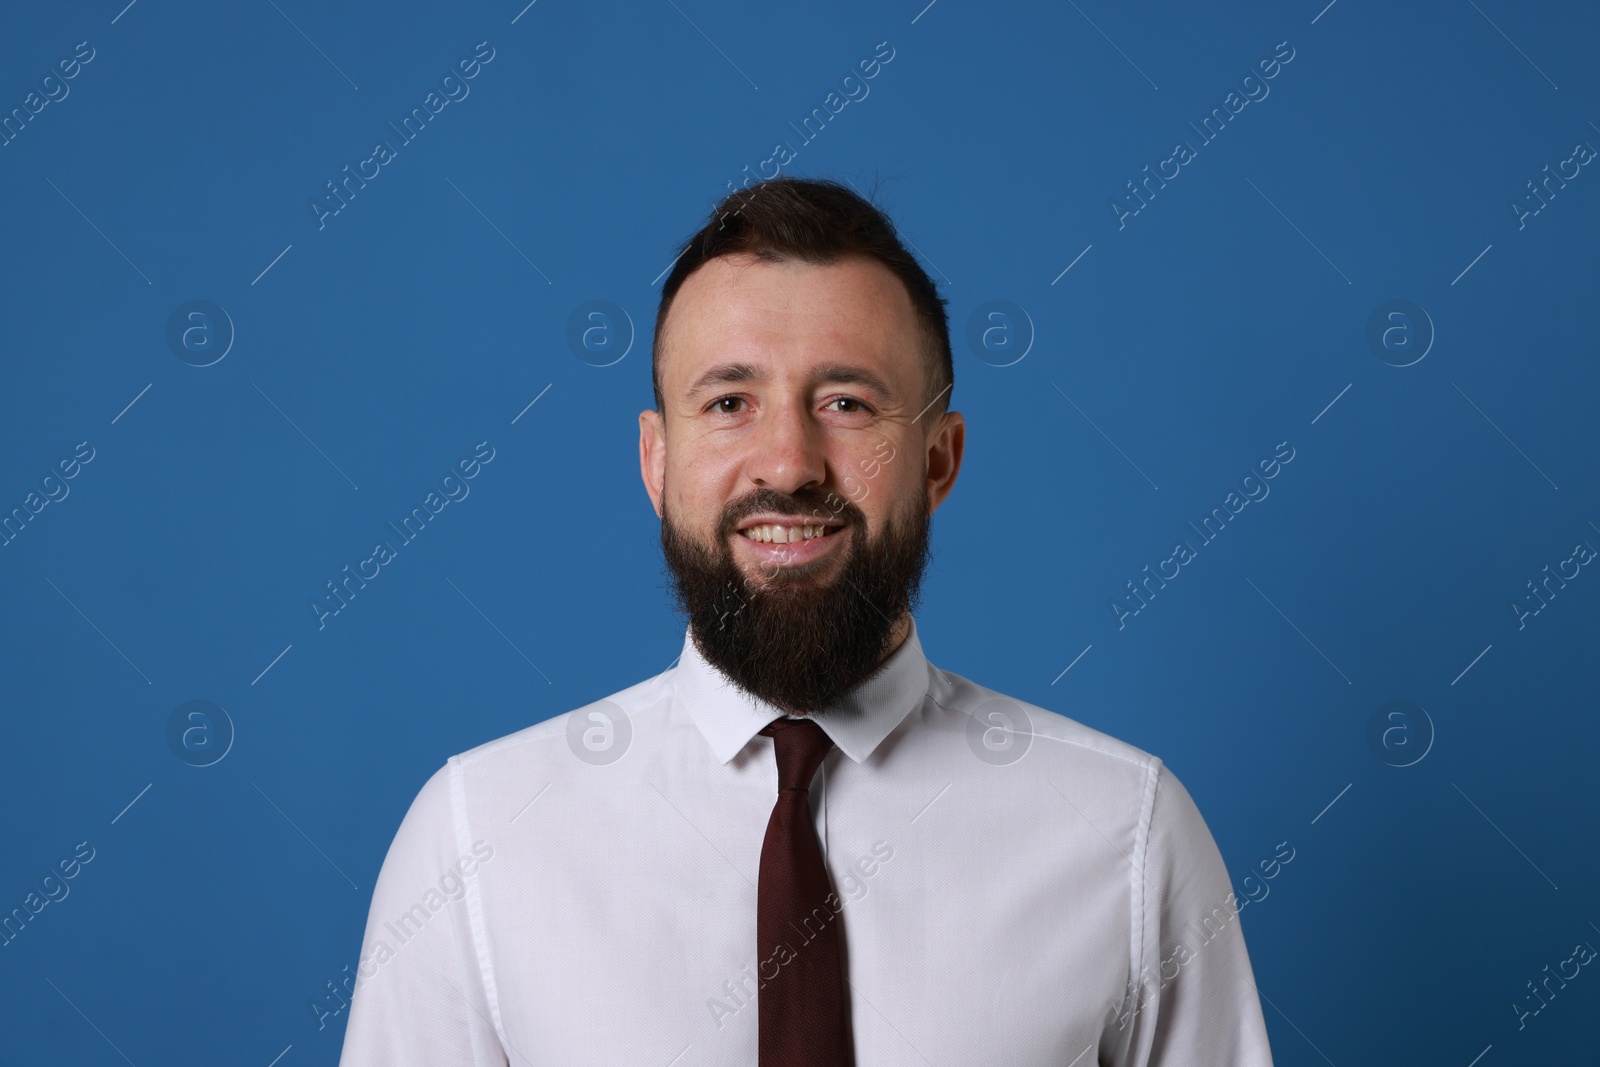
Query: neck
{"points": [[902, 630]]}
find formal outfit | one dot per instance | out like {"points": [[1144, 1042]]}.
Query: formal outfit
{"points": [[1009, 887]]}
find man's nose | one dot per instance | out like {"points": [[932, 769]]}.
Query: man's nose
{"points": [[786, 451]]}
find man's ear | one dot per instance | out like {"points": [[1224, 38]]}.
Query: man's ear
{"points": [[653, 456], [945, 446]]}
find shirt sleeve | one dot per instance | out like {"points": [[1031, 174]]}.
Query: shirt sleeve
{"points": [[419, 997], [1193, 999]]}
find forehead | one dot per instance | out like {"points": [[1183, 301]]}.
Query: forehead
{"points": [[785, 316]]}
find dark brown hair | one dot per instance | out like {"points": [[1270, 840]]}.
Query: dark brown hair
{"points": [[821, 222]]}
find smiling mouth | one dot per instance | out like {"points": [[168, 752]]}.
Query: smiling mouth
{"points": [[775, 534]]}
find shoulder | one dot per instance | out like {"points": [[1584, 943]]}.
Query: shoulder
{"points": [[610, 719], [1128, 797], [1057, 742]]}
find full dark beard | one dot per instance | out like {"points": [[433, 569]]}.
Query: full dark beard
{"points": [[789, 636]]}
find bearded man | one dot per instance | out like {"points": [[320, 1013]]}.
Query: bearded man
{"points": [[803, 843]]}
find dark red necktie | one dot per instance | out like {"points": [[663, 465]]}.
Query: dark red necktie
{"points": [[801, 1000]]}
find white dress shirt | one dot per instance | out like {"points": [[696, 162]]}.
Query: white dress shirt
{"points": [[1016, 889]]}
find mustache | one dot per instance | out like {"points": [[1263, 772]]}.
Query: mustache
{"points": [[814, 504]]}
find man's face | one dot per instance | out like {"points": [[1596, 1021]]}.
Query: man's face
{"points": [[796, 392]]}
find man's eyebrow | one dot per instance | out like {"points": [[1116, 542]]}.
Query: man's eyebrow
{"points": [[843, 373]]}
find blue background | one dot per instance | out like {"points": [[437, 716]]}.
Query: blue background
{"points": [[1185, 342]]}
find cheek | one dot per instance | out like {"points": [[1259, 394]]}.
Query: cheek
{"points": [[893, 496], [699, 487], [874, 467]]}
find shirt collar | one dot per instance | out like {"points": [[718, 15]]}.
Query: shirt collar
{"points": [[728, 717]]}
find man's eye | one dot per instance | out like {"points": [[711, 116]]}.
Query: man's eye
{"points": [[720, 404]]}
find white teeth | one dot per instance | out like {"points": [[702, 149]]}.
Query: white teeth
{"points": [[773, 534]]}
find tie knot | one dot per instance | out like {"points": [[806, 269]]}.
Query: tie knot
{"points": [[801, 746]]}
